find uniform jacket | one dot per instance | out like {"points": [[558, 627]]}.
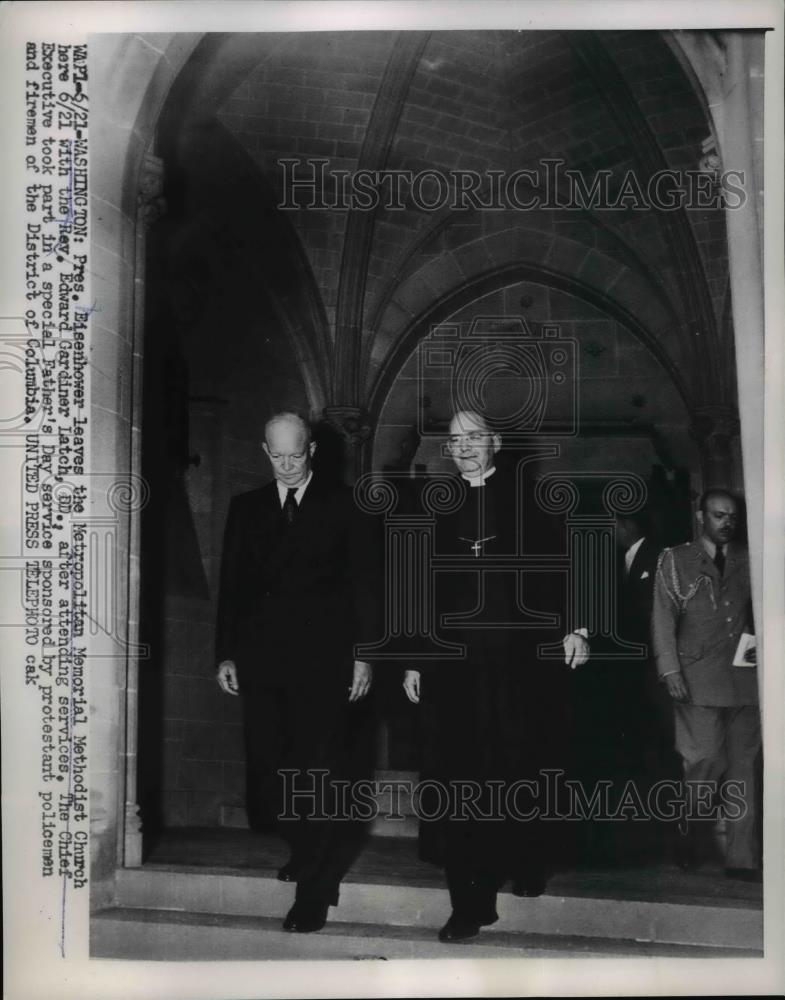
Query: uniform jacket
{"points": [[294, 600], [697, 619]]}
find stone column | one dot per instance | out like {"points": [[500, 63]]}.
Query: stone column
{"points": [[150, 206], [354, 426], [730, 68], [743, 102], [130, 78]]}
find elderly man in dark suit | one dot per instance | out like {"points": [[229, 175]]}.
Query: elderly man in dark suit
{"points": [[701, 608], [491, 718], [297, 592], [639, 735]]}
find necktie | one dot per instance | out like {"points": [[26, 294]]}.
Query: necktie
{"points": [[719, 559], [290, 505]]}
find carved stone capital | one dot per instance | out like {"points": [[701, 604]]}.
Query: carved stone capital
{"points": [[352, 422], [713, 428], [150, 202]]}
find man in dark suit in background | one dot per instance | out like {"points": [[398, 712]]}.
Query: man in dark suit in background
{"points": [[297, 592], [642, 728], [644, 714], [640, 552]]}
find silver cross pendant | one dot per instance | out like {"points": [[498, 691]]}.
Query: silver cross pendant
{"points": [[476, 543]]}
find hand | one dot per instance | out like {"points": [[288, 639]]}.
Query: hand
{"points": [[361, 682], [227, 677], [677, 687], [411, 685], [576, 650]]}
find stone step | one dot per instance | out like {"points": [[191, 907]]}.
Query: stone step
{"points": [[154, 934], [735, 924], [406, 825]]}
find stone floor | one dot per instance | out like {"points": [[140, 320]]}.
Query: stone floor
{"points": [[212, 894], [393, 860], [157, 935]]}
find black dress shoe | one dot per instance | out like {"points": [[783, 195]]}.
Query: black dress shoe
{"points": [[288, 873], [463, 929], [744, 874], [306, 917], [458, 930], [529, 887]]}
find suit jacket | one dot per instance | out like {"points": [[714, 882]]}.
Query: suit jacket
{"points": [[697, 619], [636, 593], [294, 600]]}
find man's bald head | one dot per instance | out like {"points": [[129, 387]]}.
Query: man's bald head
{"points": [[288, 445], [472, 443], [293, 420]]}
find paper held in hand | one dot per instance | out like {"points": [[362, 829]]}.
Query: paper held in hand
{"points": [[745, 651]]}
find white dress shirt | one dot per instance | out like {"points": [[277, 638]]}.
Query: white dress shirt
{"points": [[283, 490]]}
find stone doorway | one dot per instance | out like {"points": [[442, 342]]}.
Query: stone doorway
{"points": [[128, 197]]}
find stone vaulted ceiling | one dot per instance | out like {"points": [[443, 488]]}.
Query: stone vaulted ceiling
{"points": [[483, 101]]}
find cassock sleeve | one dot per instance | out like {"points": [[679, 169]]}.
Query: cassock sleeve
{"points": [[544, 533]]}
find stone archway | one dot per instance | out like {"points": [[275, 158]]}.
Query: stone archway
{"points": [[132, 76], [516, 270]]}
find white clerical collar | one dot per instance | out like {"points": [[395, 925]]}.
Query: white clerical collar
{"points": [[282, 489], [479, 480]]}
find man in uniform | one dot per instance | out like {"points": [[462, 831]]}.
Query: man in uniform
{"points": [[485, 717], [701, 608]]}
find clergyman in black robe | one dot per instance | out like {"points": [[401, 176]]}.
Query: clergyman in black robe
{"points": [[492, 717]]}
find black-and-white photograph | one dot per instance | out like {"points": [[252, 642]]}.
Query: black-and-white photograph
{"points": [[427, 569]]}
